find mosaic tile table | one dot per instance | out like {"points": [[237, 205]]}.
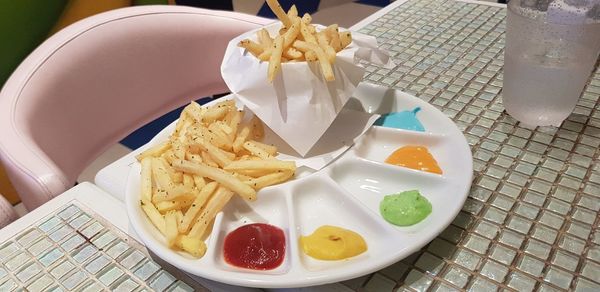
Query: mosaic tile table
{"points": [[532, 220]]}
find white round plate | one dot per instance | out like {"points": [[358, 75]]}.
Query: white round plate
{"points": [[346, 193]]}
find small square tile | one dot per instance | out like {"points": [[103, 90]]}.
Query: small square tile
{"points": [[51, 257], [17, 261], [63, 268], [30, 236], [565, 260], [521, 282], [480, 284], [29, 271], [84, 252], [60, 233], [487, 229], [530, 265], [495, 215], [594, 252], [494, 271], [579, 229], [395, 271], [527, 210], [477, 243], [558, 206], [132, 259], [558, 277], [146, 269], [379, 282], [110, 274], [104, 239], [538, 248], [572, 244], [552, 220], [50, 224], [503, 254], [8, 249], [163, 280], [97, 264], [583, 285], [74, 280], [40, 283], [125, 285], [457, 276], [511, 238], [519, 224], [429, 263], [591, 270], [69, 212], [467, 259], [545, 234]]}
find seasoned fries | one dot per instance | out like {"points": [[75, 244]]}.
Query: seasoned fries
{"points": [[212, 155], [298, 41]]}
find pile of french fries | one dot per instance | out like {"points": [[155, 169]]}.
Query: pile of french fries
{"points": [[298, 41], [212, 154]]}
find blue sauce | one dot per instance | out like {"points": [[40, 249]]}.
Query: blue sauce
{"points": [[406, 120]]}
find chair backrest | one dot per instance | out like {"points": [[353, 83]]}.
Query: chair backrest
{"points": [[94, 82]]}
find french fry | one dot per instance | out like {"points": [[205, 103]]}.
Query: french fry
{"points": [[321, 56], [257, 128], [272, 150], [345, 38], [213, 206], [194, 246], [240, 139], [196, 206], [292, 12], [146, 175], [171, 228], [269, 165], [264, 39], [208, 160], [166, 206], [292, 33], [268, 179], [176, 177], [156, 150], [304, 31], [185, 181], [329, 50], [256, 150], [279, 12], [178, 192], [199, 181], [160, 175], [275, 59], [252, 47], [154, 215], [215, 153], [224, 178]]}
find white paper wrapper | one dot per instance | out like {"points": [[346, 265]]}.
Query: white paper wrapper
{"points": [[299, 105]]}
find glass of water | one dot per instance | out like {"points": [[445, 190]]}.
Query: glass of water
{"points": [[552, 46]]}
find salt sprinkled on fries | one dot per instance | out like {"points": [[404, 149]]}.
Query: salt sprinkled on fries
{"points": [[211, 155], [298, 41]]}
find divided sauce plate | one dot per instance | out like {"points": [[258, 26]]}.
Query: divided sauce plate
{"points": [[346, 193]]}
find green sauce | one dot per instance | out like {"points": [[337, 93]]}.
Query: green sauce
{"points": [[405, 208]]}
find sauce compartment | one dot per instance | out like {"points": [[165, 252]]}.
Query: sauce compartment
{"points": [[369, 182], [379, 143], [271, 208], [320, 201]]}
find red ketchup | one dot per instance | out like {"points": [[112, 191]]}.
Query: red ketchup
{"points": [[255, 246]]}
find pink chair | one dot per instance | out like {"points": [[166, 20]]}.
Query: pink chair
{"points": [[96, 81], [7, 213]]}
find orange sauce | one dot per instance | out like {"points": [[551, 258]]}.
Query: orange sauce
{"points": [[415, 157]]}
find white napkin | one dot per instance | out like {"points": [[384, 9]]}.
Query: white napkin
{"points": [[299, 106]]}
